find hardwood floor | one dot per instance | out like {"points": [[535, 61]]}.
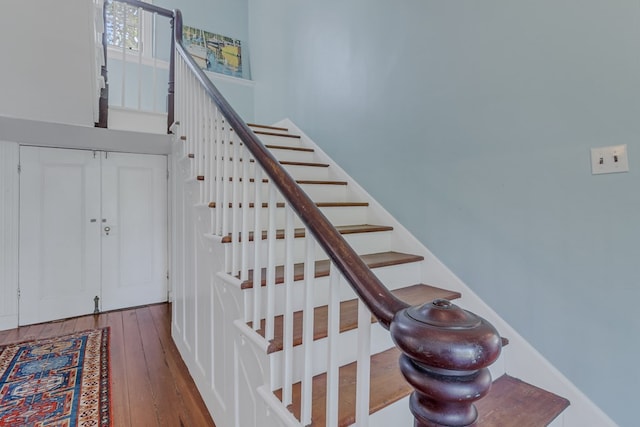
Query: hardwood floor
{"points": [[150, 384]]}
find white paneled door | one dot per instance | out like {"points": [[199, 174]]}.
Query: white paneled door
{"points": [[134, 234], [92, 224]]}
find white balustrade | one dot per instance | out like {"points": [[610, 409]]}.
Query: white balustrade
{"points": [[248, 210]]}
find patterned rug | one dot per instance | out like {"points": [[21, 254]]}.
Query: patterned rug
{"points": [[61, 382]]}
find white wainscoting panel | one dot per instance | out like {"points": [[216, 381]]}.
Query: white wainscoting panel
{"points": [[9, 191]]}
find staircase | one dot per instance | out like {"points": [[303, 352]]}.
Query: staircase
{"points": [[510, 403], [277, 258]]}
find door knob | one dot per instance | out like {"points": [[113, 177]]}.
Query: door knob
{"points": [[107, 229]]}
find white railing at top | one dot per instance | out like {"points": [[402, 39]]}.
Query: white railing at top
{"points": [[243, 203], [138, 77]]}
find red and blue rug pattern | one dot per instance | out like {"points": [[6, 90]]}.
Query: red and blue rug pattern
{"points": [[61, 382]]}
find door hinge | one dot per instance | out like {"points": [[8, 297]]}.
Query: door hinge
{"points": [[167, 274], [18, 293], [19, 168], [167, 173]]}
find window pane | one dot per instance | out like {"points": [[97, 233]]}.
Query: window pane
{"points": [[123, 25]]}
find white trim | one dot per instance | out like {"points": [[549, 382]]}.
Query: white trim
{"points": [[9, 241], [223, 77], [132, 56]]}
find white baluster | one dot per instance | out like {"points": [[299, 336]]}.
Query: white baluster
{"points": [[257, 246], [140, 14], [237, 211], [363, 378], [246, 180], [220, 174], [207, 150], [271, 263], [288, 311], [307, 328], [154, 84], [333, 333], [226, 184]]}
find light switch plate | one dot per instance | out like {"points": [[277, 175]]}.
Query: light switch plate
{"points": [[611, 159]]}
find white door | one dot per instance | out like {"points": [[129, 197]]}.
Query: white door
{"points": [[134, 245], [91, 224], [59, 233]]}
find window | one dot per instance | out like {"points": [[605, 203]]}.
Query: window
{"points": [[138, 66], [123, 26]]}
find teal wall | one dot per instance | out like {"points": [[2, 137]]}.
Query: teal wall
{"points": [[472, 123]]}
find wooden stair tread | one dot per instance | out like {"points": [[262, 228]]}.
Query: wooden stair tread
{"points": [[302, 181], [510, 402], [322, 268], [413, 295], [285, 147], [310, 164], [514, 403], [289, 163], [285, 135], [387, 381], [318, 204], [300, 232], [319, 182], [255, 125]]}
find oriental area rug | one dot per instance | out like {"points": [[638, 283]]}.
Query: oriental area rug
{"points": [[62, 381]]}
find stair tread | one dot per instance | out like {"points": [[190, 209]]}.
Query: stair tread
{"points": [[289, 163], [514, 403], [255, 125], [413, 295], [303, 181], [318, 204], [322, 268], [310, 164], [285, 135], [320, 182], [510, 402], [386, 380], [285, 147], [300, 232]]}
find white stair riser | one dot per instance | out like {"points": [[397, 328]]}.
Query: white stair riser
{"points": [[317, 192], [394, 414], [348, 352], [293, 155], [361, 242], [396, 276], [338, 215], [279, 140], [226, 168], [308, 172]]}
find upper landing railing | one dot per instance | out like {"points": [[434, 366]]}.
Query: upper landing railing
{"points": [[446, 350]]}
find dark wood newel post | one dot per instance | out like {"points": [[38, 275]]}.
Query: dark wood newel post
{"points": [[172, 72], [446, 354]]}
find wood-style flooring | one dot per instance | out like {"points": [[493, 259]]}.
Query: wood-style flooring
{"points": [[150, 384]]}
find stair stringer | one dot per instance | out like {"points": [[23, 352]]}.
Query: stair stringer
{"points": [[520, 359]]}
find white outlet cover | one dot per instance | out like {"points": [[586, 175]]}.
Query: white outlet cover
{"points": [[611, 159]]}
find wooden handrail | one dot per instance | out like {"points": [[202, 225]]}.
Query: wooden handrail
{"points": [[446, 350]]}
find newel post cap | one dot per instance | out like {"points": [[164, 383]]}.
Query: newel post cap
{"points": [[441, 335]]}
